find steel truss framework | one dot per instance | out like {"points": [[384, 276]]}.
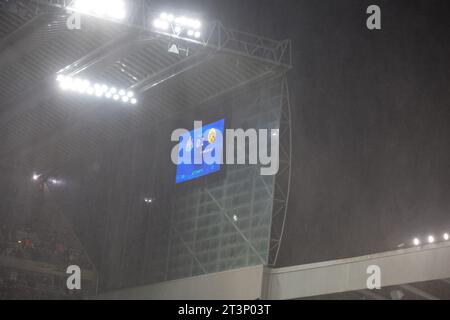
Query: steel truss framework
{"points": [[216, 35], [274, 58]]}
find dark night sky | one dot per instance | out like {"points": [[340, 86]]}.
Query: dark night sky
{"points": [[371, 114]]}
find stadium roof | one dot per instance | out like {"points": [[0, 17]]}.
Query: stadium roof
{"points": [[46, 129]]}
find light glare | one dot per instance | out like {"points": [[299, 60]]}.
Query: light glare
{"points": [[98, 89], [114, 9]]}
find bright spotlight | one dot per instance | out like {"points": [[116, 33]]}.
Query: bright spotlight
{"points": [[35, 177], [446, 236], [416, 241], [60, 78], [430, 239], [98, 89], [90, 91], [178, 24], [114, 9], [196, 24], [161, 24], [133, 101]]}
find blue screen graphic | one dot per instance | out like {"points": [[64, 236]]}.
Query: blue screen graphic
{"points": [[205, 140]]}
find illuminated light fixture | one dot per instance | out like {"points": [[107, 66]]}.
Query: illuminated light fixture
{"points": [[446, 236], [430, 239], [133, 101], [90, 91], [114, 9], [235, 218], [180, 24], [148, 200], [161, 24], [35, 176], [83, 86], [416, 241]]}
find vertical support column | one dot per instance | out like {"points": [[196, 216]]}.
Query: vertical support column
{"points": [[283, 178]]}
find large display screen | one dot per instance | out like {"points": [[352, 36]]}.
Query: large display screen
{"points": [[207, 141]]}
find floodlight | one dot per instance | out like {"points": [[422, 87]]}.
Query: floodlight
{"points": [[430, 239], [98, 89], [148, 200], [161, 24], [191, 27], [446, 236], [114, 9], [416, 241], [133, 101]]}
